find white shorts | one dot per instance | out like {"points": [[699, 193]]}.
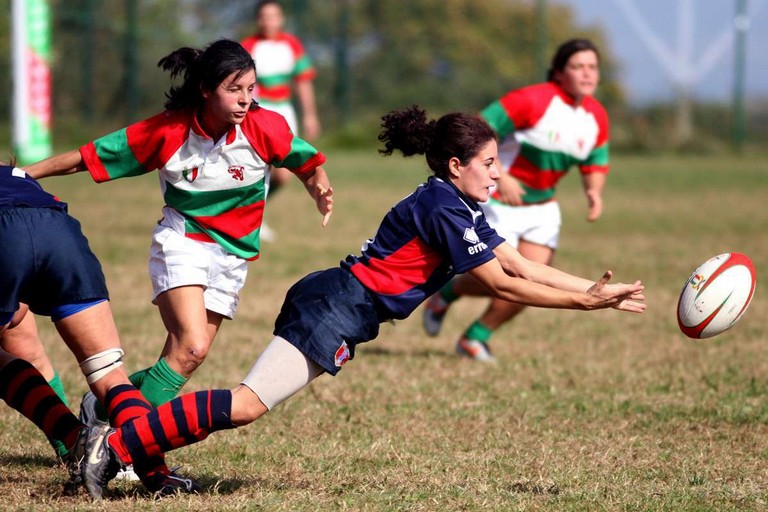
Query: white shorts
{"points": [[175, 260], [536, 223]]}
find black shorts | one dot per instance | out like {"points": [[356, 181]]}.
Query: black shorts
{"points": [[325, 315], [45, 261]]}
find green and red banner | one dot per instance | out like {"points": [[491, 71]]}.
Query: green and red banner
{"points": [[32, 80]]}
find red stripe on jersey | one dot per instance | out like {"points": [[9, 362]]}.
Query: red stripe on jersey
{"points": [[404, 269], [236, 223], [311, 164], [93, 163], [527, 105], [589, 169], [268, 133], [275, 93], [309, 74], [534, 177], [200, 237], [593, 106], [155, 140]]}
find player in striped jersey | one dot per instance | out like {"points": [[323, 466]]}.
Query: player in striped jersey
{"points": [[211, 148], [282, 66], [544, 130], [423, 241]]}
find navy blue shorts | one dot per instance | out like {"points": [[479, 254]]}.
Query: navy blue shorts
{"points": [[325, 315], [45, 261]]}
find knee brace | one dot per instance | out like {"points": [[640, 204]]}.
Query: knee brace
{"points": [[97, 366]]}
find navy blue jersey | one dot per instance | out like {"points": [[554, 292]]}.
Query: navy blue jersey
{"points": [[423, 241], [17, 188]]}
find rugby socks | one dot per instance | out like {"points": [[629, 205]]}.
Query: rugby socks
{"points": [[447, 293], [58, 387], [158, 383], [125, 403], [478, 332], [26, 390], [182, 421]]}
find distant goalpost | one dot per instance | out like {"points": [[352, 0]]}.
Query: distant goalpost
{"points": [[31, 50]]}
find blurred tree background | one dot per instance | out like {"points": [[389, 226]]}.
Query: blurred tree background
{"points": [[371, 56]]}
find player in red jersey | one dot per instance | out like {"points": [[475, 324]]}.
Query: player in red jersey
{"points": [[282, 67], [544, 130], [422, 242]]}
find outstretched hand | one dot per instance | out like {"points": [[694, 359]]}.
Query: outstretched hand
{"points": [[319, 187], [624, 297], [324, 199]]}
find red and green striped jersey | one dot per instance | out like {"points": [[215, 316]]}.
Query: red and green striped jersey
{"points": [[213, 190], [542, 134], [279, 61]]}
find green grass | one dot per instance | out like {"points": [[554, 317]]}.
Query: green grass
{"points": [[584, 412]]}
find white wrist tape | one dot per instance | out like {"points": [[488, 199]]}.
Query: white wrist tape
{"points": [[97, 366]]}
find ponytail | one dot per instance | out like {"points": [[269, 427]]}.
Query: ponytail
{"points": [[184, 60], [406, 130], [455, 135]]}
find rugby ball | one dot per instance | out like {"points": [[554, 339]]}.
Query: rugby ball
{"points": [[716, 295]]}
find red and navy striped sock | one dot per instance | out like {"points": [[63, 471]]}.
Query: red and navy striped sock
{"points": [[26, 390], [124, 403], [182, 421]]}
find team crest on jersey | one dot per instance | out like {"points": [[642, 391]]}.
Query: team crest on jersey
{"points": [[470, 236], [190, 174], [342, 354], [237, 172]]}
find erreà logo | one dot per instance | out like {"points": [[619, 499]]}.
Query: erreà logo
{"points": [[470, 236]]}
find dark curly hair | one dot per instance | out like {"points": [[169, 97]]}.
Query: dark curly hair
{"points": [[456, 135]]}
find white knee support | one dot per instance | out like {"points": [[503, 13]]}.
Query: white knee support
{"points": [[97, 366]]}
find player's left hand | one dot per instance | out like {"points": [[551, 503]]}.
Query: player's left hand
{"points": [[324, 200], [595, 202], [624, 297]]}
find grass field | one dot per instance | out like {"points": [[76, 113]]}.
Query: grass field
{"points": [[583, 412]]}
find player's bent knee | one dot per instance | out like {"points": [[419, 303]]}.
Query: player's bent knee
{"points": [[101, 364]]}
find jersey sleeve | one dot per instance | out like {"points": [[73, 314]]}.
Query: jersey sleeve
{"points": [[303, 68], [140, 148], [513, 111], [248, 43], [270, 136], [467, 240], [597, 161]]}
